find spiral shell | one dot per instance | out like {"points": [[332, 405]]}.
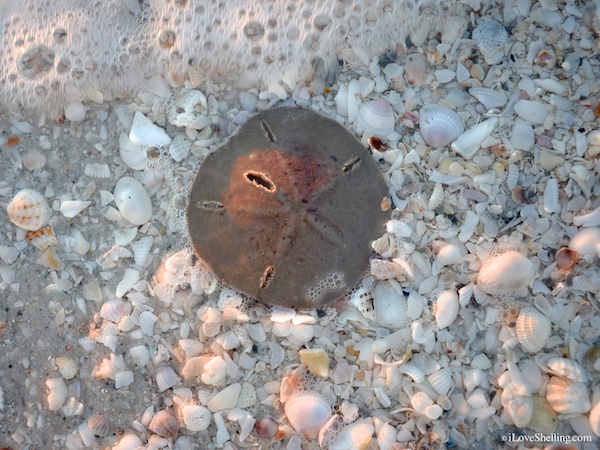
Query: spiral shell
{"points": [[376, 117], [29, 210], [567, 397], [307, 412], [439, 125], [510, 273], [533, 329], [164, 424]]}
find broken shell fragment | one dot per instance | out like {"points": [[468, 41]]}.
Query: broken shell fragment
{"points": [[316, 360], [567, 397], [491, 38], [57, 393]]}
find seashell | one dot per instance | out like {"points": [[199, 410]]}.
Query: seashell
{"points": [[441, 381], [357, 435], [567, 397], [99, 424], [551, 85], [129, 441], [57, 393], [533, 329], [437, 196], [490, 38], [420, 401], [50, 259], [33, 160], [196, 417], [518, 407], [469, 142], [307, 412], [594, 419], [386, 435], [390, 305], [446, 308], [42, 238], [414, 372], [141, 250], [376, 117], [489, 98], [166, 378], [188, 110], [87, 436], [449, 254], [531, 111], [439, 125], [87, 343], [139, 355], [566, 259], [512, 177], [567, 368], [591, 219], [97, 170], [164, 424], [147, 321], [29, 210], [383, 269], [133, 201], [70, 208], [144, 132], [266, 428], [415, 69], [316, 361], [551, 204], [134, 156], [67, 367], [586, 241], [114, 310], [510, 273], [522, 136], [481, 361], [227, 398], [180, 148]]}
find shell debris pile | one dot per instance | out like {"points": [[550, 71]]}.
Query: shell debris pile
{"points": [[478, 316]]}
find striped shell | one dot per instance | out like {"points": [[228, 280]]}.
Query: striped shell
{"points": [[99, 424], [439, 125], [533, 329], [180, 148], [390, 305], [166, 378], [510, 273], [441, 381], [307, 413], [29, 210], [164, 424], [376, 117], [42, 238], [522, 136], [488, 97]]}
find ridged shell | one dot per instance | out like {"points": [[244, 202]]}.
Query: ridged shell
{"points": [[439, 125], [99, 424], [141, 250], [586, 241], [87, 436], [567, 397], [50, 259], [29, 210], [390, 305], [551, 203], [42, 238], [522, 136], [133, 201], [164, 424], [97, 170], [533, 329], [114, 310], [490, 38], [307, 412], [488, 97], [567, 368], [512, 177], [376, 117], [414, 372], [166, 378], [437, 196], [180, 148], [441, 381], [510, 273]]}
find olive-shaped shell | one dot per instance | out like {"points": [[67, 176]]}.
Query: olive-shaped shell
{"points": [[533, 329], [376, 117], [510, 273], [164, 424], [29, 210], [439, 125], [133, 201], [307, 413]]}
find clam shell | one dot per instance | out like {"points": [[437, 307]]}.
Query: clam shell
{"points": [[510, 273], [86, 435], [567, 397], [586, 241], [134, 156], [29, 210], [42, 238], [114, 310], [518, 407], [441, 381], [50, 259], [439, 125], [356, 435], [390, 305], [307, 412], [166, 378], [97, 170], [67, 367], [412, 371], [491, 38], [196, 417], [512, 177], [533, 329], [446, 310], [164, 424], [522, 136], [376, 117], [57, 393], [99, 424], [133, 201], [566, 259], [488, 97], [139, 355]]}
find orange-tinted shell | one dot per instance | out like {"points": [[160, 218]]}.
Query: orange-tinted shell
{"points": [[29, 210]]}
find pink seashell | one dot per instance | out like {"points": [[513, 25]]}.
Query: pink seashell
{"points": [[29, 210], [566, 259], [439, 125], [164, 424]]}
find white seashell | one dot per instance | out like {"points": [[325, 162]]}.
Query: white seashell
{"points": [[133, 201], [307, 412], [134, 156], [518, 407], [166, 378], [33, 160], [446, 308], [491, 38], [226, 398], [256, 332], [551, 204], [441, 381], [114, 310], [50, 259], [342, 372], [341, 100], [510, 273], [412, 371], [437, 196], [353, 93], [567, 368], [489, 98], [99, 424], [357, 435], [97, 170], [189, 111], [29, 210], [383, 269], [164, 424], [141, 250], [147, 321], [469, 142], [67, 367], [567, 397], [87, 343], [71, 208], [481, 361], [180, 148], [386, 436], [449, 254], [144, 132], [512, 177], [390, 306], [196, 417], [86, 435], [129, 441], [376, 117], [591, 219], [8, 254], [522, 136], [586, 241], [42, 238], [139, 355], [551, 85], [533, 329], [531, 111], [130, 278], [439, 125], [594, 419], [415, 69], [57, 393]]}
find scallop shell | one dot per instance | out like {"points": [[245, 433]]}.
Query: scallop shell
{"points": [[489, 98], [414, 372], [533, 329], [114, 310], [512, 177], [97, 170], [99, 424], [510, 273], [491, 38], [441, 381], [446, 310], [196, 417], [42, 238], [439, 125], [307, 412], [166, 378], [522, 136], [141, 250], [50, 259], [33, 159], [376, 117], [390, 305], [29, 210], [180, 148], [133, 201], [86, 435], [531, 111], [567, 397], [567, 368], [164, 424]]}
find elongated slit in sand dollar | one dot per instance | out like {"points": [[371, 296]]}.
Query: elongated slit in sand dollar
{"points": [[285, 212]]}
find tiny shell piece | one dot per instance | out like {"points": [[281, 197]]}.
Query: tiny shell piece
{"points": [[67, 367], [164, 424], [307, 413], [469, 142], [510, 273], [415, 69], [316, 360], [491, 38], [439, 125], [57, 393], [71, 208], [97, 170], [376, 117], [533, 329], [226, 398], [166, 378], [129, 441], [196, 417], [488, 97], [180, 148], [29, 210], [133, 201]]}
